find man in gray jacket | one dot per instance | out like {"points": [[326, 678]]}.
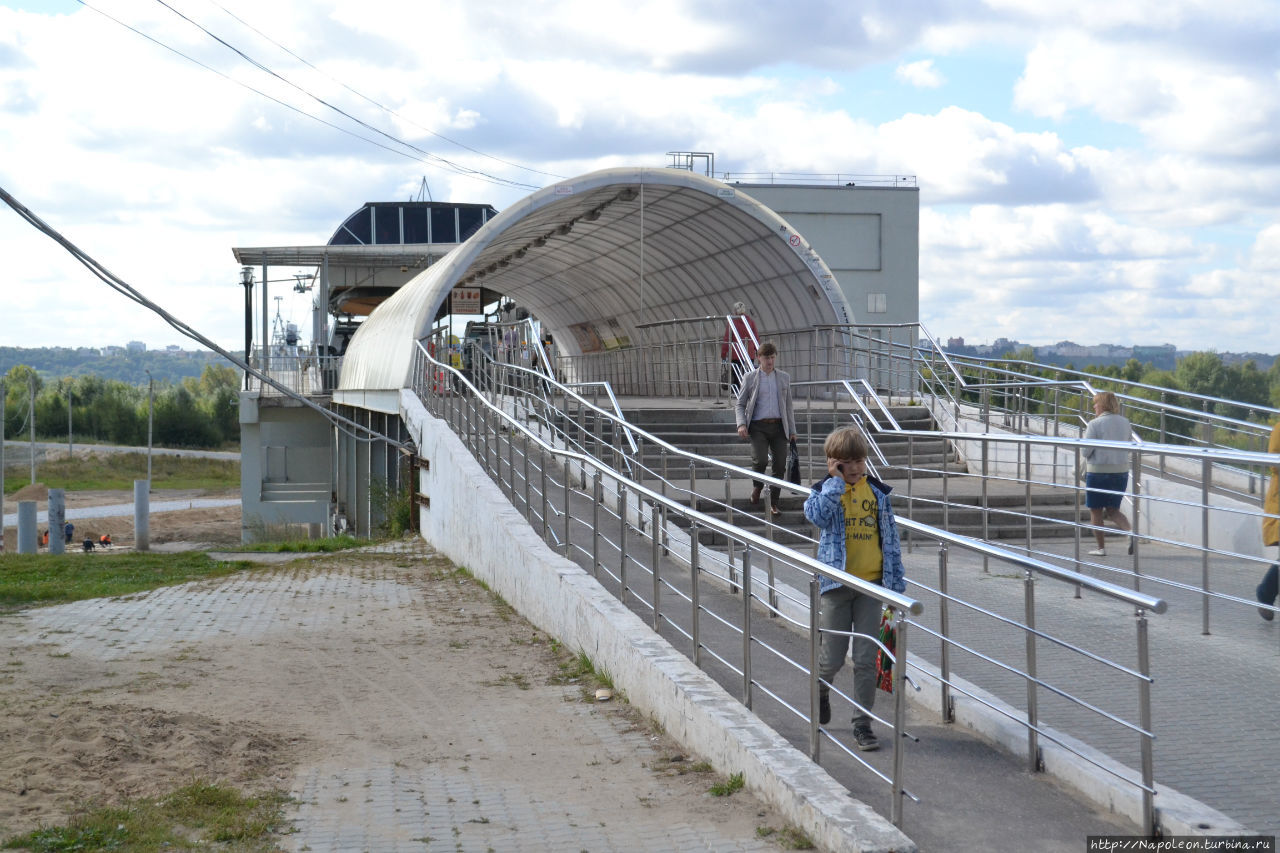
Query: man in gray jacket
{"points": [[767, 418]]}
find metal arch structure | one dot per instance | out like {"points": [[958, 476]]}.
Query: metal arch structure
{"points": [[617, 248]]}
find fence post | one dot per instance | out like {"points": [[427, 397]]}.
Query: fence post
{"points": [[622, 541], [944, 628], [1206, 475], [597, 493], [655, 519], [746, 626], [1144, 718], [567, 514], [1033, 716], [815, 640], [694, 599], [899, 713]]}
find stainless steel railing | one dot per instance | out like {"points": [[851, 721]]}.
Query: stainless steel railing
{"points": [[554, 422]]}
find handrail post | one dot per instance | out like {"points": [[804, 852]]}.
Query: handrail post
{"points": [[944, 628], [1078, 484], [567, 513], [597, 493], [695, 602], [1033, 716], [527, 510], [622, 540], [655, 516], [899, 713], [815, 641], [746, 626], [1144, 718], [546, 500], [1206, 474], [728, 519], [986, 498]]}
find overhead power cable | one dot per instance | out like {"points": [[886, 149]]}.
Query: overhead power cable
{"points": [[480, 176], [381, 106], [129, 292], [449, 164]]}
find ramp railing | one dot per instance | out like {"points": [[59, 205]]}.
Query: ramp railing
{"points": [[622, 511]]}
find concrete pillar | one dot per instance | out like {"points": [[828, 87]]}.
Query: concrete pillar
{"points": [[57, 518], [141, 515], [27, 532]]}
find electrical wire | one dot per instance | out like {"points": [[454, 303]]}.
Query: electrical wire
{"points": [[423, 156], [381, 106], [129, 292]]}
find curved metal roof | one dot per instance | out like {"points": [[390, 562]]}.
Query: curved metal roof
{"points": [[624, 245]]}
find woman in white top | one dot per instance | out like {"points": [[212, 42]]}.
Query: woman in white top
{"points": [[1108, 471]]}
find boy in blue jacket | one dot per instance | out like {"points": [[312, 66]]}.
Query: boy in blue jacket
{"points": [[859, 536]]}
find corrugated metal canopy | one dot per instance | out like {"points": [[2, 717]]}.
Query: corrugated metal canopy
{"points": [[626, 246]]}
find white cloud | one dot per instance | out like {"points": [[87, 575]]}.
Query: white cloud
{"points": [[920, 74], [161, 167]]}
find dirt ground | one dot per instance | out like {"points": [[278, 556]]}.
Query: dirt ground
{"points": [[406, 664]]}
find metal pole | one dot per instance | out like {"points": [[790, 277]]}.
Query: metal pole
{"points": [[654, 518], [815, 639], [71, 451], [151, 416], [622, 541], [746, 626], [1144, 717], [566, 508], [1206, 472], [944, 628], [1029, 598], [694, 598], [31, 416], [899, 713], [141, 515], [57, 521], [597, 492]]}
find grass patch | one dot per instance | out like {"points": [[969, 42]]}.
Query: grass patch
{"points": [[788, 838], [191, 818], [729, 787], [31, 579], [88, 470], [326, 545]]}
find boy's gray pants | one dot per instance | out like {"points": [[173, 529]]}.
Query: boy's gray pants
{"points": [[846, 610]]}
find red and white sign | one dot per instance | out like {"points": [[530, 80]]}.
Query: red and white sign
{"points": [[794, 240]]}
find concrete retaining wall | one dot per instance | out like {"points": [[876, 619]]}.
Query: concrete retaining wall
{"points": [[467, 510]]}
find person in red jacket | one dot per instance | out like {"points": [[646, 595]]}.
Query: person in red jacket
{"points": [[739, 331]]}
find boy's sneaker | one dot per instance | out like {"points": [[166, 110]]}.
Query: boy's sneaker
{"points": [[824, 709], [866, 741]]}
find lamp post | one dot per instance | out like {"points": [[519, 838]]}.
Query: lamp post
{"points": [[71, 450], [246, 279], [151, 413]]}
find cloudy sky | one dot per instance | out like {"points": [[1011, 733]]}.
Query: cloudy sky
{"points": [[1100, 171]]}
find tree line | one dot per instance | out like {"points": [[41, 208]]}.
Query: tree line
{"points": [[192, 412], [1241, 392]]}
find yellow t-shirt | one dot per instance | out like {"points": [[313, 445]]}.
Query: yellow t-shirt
{"points": [[861, 535]]}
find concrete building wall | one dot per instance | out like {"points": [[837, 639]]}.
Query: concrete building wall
{"points": [[286, 465], [869, 237]]}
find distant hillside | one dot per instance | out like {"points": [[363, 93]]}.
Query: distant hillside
{"points": [[128, 367]]}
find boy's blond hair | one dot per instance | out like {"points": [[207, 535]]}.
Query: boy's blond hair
{"points": [[846, 443]]}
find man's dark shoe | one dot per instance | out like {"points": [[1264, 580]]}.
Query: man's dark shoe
{"points": [[755, 497], [1264, 612], [824, 709], [866, 741]]}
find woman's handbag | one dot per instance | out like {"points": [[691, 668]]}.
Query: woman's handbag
{"points": [[793, 464], [884, 664]]}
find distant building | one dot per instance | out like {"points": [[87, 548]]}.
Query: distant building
{"points": [[110, 351], [136, 346]]}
